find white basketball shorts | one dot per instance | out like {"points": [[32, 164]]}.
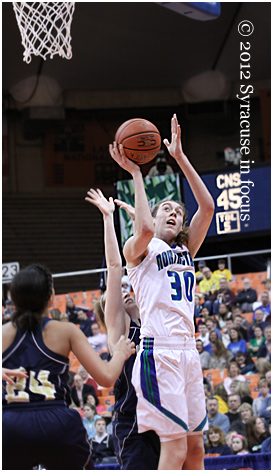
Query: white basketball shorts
{"points": [[168, 380]]}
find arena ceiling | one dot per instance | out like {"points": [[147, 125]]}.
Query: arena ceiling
{"points": [[124, 45]]}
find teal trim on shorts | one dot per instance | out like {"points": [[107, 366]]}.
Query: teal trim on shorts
{"points": [[149, 384], [201, 425]]}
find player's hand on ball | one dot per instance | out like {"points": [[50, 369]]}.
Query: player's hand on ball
{"points": [[117, 153], [98, 199], [175, 147], [125, 347]]}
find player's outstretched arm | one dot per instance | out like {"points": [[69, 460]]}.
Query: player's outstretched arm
{"points": [[135, 248], [9, 374], [202, 218], [104, 373], [115, 315]]}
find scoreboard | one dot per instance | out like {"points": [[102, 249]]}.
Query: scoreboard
{"points": [[242, 200]]}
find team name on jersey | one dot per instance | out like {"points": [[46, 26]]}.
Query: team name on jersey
{"points": [[166, 258]]}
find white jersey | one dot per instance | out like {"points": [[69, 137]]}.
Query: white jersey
{"points": [[164, 287]]}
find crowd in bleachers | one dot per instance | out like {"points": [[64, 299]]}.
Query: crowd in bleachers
{"points": [[233, 338]]}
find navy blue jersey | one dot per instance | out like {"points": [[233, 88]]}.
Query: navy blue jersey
{"points": [[47, 370], [125, 396]]}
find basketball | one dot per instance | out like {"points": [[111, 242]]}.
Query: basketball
{"points": [[140, 139]]}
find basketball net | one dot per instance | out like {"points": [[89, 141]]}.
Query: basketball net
{"points": [[45, 28]]}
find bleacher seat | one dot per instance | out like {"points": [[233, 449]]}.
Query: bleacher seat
{"points": [[105, 392], [106, 400], [248, 317], [214, 376]]}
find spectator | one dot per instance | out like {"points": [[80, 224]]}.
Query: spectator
{"points": [[238, 323], [197, 305], [245, 363], [234, 401], [102, 443], [267, 375], [265, 410], [204, 355], [267, 287], [80, 390], [258, 321], [266, 444], [207, 387], [90, 415], [245, 412], [91, 313], [98, 340], [214, 417], [215, 444], [161, 166], [87, 379], [256, 342], [263, 387], [199, 273], [85, 323], [226, 332], [265, 347], [64, 318], [239, 445], [220, 357], [208, 285], [263, 365], [220, 393], [204, 313], [228, 437], [236, 310], [211, 325], [222, 295], [9, 309], [233, 386], [246, 297], [213, 336], [255, 434], [222, 271], [236, 342], [204, 336], [89, 398], [265, 304], [55, 313], [243, 389], [223, 315], [71, 310], [233, 373]]}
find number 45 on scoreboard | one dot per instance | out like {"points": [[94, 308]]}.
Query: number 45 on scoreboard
{"points": [[9, 270]]}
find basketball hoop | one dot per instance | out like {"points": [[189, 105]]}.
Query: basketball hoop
{"points": [[45, 28]]}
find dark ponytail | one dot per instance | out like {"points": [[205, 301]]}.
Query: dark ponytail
{"points": [[30, 291]]}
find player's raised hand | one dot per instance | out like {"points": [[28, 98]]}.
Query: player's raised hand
{"points": [[125, 206], [98, 199], [125, 347], [175, 147], [118, 154], [9, 374]]}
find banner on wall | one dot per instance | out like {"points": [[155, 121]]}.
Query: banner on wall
{"points": [[162, 187]]}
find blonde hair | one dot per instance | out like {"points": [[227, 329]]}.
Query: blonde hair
{"points": [[243, 389], [99, 309], [262, 365]]}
